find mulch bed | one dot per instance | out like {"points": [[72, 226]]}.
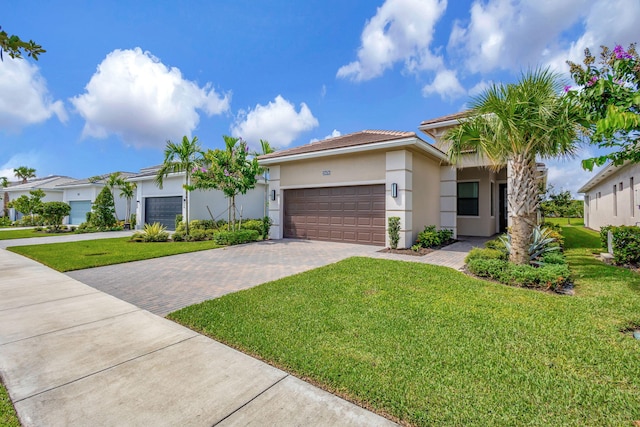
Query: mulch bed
{"points": [[421, 252]]}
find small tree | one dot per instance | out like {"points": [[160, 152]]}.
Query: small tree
{"points": [[114, 180], [610, 99], [54, 212], [230, 171], [29, 205], [557, 204], [103, 215]]}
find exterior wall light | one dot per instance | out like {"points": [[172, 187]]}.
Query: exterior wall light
{"points": [[394, 190], [273, 195]]}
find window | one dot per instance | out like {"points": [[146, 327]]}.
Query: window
{"points": [[615, 200], [597, 198], [620, 187], [468, 198], [632, 197], [492, 189]]}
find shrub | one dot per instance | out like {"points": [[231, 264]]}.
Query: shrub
{"points": [[235, 237], [155, 232], [252, 224], [497, 244], [551, 226], [5, 221], [178, 221], [429, 237], [54, 212], [553, 258], [485, 253], [604, 233], [548, 277], [394, 231], [626, 244], [266, 226], [104, 211], [133, 220], [491, 268]]}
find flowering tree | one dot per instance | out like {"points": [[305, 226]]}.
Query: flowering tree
{"points": [[230, 171], [611, 102], [14, 46]]}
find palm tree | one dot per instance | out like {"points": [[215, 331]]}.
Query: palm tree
{"points": [[4, 181], [515, 124], [114, 180], [266, 149], [24, 173], [127, 190], [178, 158]]}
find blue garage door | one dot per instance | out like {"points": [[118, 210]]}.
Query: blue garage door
{"points": [[163, 210], [79, 209]]}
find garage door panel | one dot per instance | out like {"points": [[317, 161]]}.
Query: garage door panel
{"points": [[345, 214], [163, 210]]}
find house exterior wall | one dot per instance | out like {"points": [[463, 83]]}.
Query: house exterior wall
{"points": [[90, 192], [334, 170], [426, 194], [50, 196], [604, 207], [399, 171], [485, 224]]}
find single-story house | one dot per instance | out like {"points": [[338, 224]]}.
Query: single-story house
{"points": [[48, 184], [345, 188], [153, 204], [611, 196], [80, 195]]}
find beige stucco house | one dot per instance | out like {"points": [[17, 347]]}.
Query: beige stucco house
{"points": [[345, 188], [611, 196]]}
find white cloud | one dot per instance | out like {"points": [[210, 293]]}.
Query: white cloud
{"points": [[25, 98], [401, 30], [137, 97], [336, 133], [516, 34], [277, 122], [480, 87], [446, 85], [568, 174]]}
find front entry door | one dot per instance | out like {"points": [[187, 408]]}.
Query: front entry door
{"points": [[502, 199]]}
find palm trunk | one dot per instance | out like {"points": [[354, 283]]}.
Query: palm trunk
{"points": [[523, 203], [186, 203]]}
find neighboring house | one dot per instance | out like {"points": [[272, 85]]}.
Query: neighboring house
{"points": [[80, 195], [48, 184], [153, 204], [611, 196], [345, 188]]}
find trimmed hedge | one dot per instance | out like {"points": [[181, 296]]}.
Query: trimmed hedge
{"points": [[235, 237], [626, 243], [548, 277]]}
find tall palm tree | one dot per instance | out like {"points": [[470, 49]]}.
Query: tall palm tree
{"points": [[266, 148], [515, 124], [127, 190], [4, 181], [114, 180], [24, 173], [178, 158]]}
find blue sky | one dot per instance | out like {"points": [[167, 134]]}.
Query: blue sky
{"points": [[120, 78]]}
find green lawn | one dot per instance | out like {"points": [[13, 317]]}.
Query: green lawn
{"points": [[96, 253], [430, 346], [566, 221], [22, 234], [8, 417]]}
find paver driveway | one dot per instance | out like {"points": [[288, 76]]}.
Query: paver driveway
{"points": [[167, 284]]}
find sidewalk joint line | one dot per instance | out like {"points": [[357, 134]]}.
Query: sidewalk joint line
{"points": [[51, 300], [251, 400]]}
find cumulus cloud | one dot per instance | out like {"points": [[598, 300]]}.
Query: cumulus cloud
{"points": [[445, 84], [336, 133], [511, 35], [25, 98], [278, 122], [401, 30], [568, 174], [144, 102]]}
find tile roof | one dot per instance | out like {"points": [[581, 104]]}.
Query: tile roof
{"points": [[101, 180], [49, 182], [447, 118], [350, 140]]}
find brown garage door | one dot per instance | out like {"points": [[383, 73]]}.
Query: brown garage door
{"points": [[340, 214]]}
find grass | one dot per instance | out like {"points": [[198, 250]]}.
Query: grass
{"points": [[96, 253], [427, 345], [8, 417], [567, 221], [23, 234]]}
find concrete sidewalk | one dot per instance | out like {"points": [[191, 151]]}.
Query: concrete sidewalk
{"points": [[59, 238], [72, 355]]}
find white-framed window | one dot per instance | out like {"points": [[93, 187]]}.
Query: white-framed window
{"points": [[468, 200]]}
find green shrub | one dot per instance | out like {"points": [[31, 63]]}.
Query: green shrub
{"points": [[553, 258], [497, 244], [235, 237], [603, 235], [626, 245], [155, 232], [252, 224], [54, 212], [104, 211], [266, 227], [485, 253], [547, 277], [429, 237], [5, 221], [551, 226], [394, 231], [491, 268], [178, 221]]}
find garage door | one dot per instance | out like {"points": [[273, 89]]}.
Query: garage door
{"points": [[163, 210], [79, 209], [340, 214]]}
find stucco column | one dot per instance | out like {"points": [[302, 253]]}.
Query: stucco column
{"points": [[448, 199], [276, 210], [399, 171]]}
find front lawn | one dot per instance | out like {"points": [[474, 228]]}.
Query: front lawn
{"points": [[23, 234], [96, 253], [428, 345]]}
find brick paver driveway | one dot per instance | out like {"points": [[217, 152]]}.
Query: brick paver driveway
{"points": [[167, 284]]}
